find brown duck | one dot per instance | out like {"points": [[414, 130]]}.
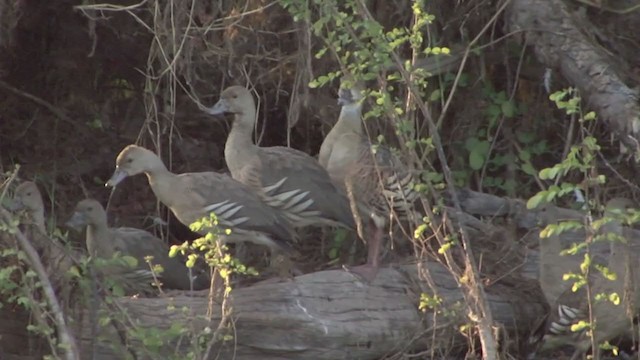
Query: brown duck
{"points": [[377, 181], [286, 179], [104, 242]]}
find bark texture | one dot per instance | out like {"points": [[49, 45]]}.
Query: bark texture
{"points": [[322, 315], [568, 42], [331, 315]]}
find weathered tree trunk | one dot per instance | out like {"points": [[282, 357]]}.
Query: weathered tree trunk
{"points": [[565, 41], [331, 315]]}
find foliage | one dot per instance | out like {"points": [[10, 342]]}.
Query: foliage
{"points": [[428, 302], [21, 288], [215, 253], [489, 162], [581, 160], [367, 51], [216, 256]]}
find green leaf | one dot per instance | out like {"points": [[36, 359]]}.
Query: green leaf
{"points": [[157, 268], [508, 109], [470, 143], [321, 53], [581, 325], [74, 271], [548, 231], [444, 248], [549, 173], [117, 290], [528, 169], [493, 111], [419, 231], [191, 261], [130, 261], [483, 146], [536, 200], [174, 251], [614, 298], [476, 160], [509, 185], [559, 95]]}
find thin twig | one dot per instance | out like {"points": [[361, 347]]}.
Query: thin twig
{"points": [[66, 339], [480, 312], [56, 111]]}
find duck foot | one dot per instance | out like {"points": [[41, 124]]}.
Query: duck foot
{"points": [[366, 272]]}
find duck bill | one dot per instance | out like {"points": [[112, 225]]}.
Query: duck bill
{"points": [[116, 178], [220, 107], [77, 221]]}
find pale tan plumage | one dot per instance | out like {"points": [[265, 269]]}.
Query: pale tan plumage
{"points": [[104, 242], [55, 257], [287, 179], [191, 196], [28, 197], [377, 181]]}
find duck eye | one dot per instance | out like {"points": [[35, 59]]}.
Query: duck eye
{"points": [[29, 193], [129, 160]]}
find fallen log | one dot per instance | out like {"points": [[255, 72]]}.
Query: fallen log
{"points": [[332, 315]]}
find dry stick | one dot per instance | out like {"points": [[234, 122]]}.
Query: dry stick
{"points": [[57, 112], [225, 309], [71, 351], [480, 311]]}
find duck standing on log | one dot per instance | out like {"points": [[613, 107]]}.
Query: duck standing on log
{"points": [[378, 183], [288, 180]]}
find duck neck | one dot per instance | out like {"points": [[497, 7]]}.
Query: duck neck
{"points": [[550, 248], [162, 182], [38, 219], [240, 149], [97, 234], [350, 119]]}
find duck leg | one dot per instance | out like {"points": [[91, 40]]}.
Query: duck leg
{"points": [[369, 270]]}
